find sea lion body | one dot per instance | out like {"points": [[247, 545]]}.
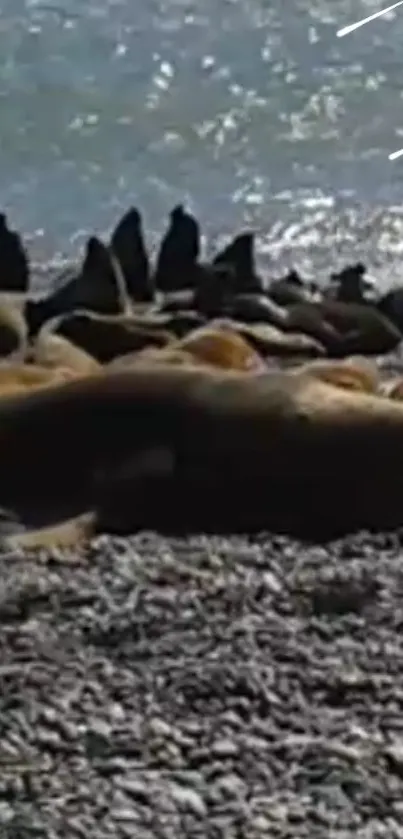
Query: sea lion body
{"points": [[242, 452], [55, 351], [106, 337], [256, 308], [21, 377], [270, 341], [221, 347]]}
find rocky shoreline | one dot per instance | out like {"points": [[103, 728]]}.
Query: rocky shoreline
{"points": [[215, 687]]}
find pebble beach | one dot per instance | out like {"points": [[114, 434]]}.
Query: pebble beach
{"points": [[214, 687]]}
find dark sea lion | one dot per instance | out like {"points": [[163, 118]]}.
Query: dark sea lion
{"points": [[289, 289], [344, 328], [256, 308], [350, 285], [98, 287], [104, 338], [14, 263], [206, 450], [178, 256], [13, 326], [127, 243], [239, 256], [214, 289], [391, 306], [365, 330]]}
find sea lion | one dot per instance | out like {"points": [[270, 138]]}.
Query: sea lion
{"points": [[178, 301], [14, 261], [221, 347], [350, 285], [127, 243], [104, 338], [392, 388], [239, 256], [178, 256], [345, 328], [13, 326], [391, 306], [155, 356], [21, 377], [269, 340], [69, 534], [179, 323], [365, 330], [52, 351], [256, 308], [354, 373], [289, 289], [231, 452], [98, 287]]}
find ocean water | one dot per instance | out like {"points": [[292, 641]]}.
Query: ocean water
{"points": [[252, 112]]}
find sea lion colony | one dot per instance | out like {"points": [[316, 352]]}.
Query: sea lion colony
{"points": [[136, 396]]}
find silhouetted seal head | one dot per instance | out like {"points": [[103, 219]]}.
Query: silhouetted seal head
{"points": [[178, 256], [289, 289], [351, 285], [98, 287], [14, 263], [214, 290], [127, 243], [239, 256]]}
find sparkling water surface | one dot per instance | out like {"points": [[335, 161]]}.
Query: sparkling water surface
{"points": [[251, 111]]}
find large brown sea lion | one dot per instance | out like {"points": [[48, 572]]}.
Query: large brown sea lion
{"points": [[196, 449]]}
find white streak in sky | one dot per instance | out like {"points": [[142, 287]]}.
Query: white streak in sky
{"points": [[353, 26]]}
